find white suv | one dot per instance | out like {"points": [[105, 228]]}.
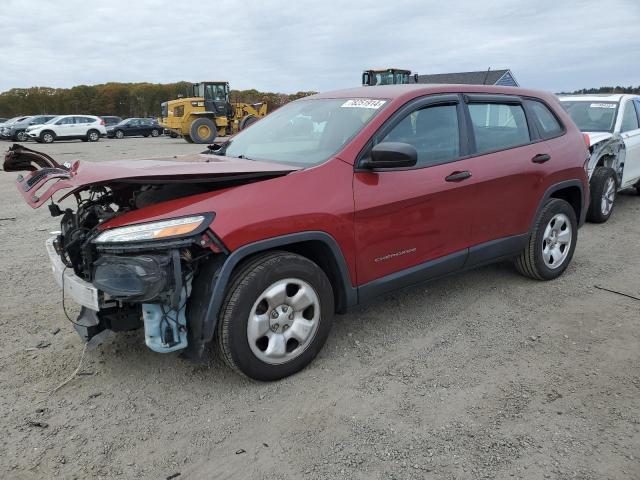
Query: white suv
{"points": [[612, 122], [87, 128]]}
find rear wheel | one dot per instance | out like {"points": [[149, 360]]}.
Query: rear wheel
{"points": [[276, 316], [47, 136], [551, 243], [173, 135], [604, 187], [93, 135], [155, 132], [203, 130]]}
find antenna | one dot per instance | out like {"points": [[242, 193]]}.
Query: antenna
{"points": [[486, 75]]}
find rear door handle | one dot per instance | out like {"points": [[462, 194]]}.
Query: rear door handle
{"points": [[541, 158], [458, 176]]}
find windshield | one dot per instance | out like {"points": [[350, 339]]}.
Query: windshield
{"points": [[304, 132], [592, 116]]}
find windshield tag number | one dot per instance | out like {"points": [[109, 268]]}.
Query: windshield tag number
{"points": [[363, 103]]}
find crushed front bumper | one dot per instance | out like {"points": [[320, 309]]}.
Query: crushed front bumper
{"points": [[75, 288]]}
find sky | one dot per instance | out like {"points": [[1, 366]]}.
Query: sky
{"points": [[289, 46]]}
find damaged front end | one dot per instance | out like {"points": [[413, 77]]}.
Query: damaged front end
{"points": [[157, 274]]}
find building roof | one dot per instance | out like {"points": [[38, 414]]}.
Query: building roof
{"points": [[486, 77]]}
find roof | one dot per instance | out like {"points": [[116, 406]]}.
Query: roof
{"points": [[601, 97], [407, 92], [485, 77]]}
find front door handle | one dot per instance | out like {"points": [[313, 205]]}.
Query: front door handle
{"points": [[458, 176], [541, 158]]}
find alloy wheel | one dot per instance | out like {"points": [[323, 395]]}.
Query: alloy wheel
{"points": [[283, 321], [556, 241], [608, 196]]}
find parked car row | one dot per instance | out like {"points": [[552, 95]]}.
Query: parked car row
{"points": [[88, 128]]}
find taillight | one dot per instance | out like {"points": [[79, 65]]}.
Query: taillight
{"points": [[587, 140], [102, 122]]}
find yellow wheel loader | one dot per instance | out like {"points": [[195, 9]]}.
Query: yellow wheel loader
{"points": [[207, 113]]}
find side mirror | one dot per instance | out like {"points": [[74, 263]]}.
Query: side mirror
{"points": [[391, 155]]}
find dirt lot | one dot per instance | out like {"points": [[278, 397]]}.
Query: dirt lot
{"points": [[481, 375]]}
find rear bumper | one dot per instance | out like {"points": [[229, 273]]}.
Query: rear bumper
{"points": [[75, 288]]}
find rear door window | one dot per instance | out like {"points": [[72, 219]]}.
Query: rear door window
{"points": [[548, 124], [433, 131], [498, 126]]}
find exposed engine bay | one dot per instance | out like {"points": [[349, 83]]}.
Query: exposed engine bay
{"points": [[142, 284], [157, 275]]}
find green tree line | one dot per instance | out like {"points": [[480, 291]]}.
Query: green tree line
{"points": [[121, 99], [618, 89]]}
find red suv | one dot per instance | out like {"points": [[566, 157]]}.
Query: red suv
{"points": [[330, 201]]}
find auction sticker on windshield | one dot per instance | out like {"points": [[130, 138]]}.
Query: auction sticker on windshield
{"points": [[363, 103], [603, 105]]}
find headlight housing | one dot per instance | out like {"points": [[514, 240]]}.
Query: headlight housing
{"points": [[163, 229]]}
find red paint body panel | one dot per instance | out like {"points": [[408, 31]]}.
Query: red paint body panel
{"points": [[413, 214], [185, 167]]}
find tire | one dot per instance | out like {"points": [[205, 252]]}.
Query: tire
{"points": [[93, 135], [247, 120], [155, 132], [119, 134], [254, 353], [188, 139], [203, 130], [145, 135], [540, 260], [47, 136], [22, 136], [604, 187], [173, 135]]}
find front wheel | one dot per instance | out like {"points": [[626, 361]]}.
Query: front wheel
{"points": [[47, 136], [276, 316], [603, 187], [22, 136], [119, 134], [551, 242], [203, 130]]}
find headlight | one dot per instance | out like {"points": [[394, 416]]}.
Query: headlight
{"points": [[152, 231]]}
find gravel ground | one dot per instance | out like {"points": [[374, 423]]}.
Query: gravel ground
{"points": [[480, 375]]}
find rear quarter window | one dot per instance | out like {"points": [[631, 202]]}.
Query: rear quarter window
{"points": [[498, 126], [548, 124]]}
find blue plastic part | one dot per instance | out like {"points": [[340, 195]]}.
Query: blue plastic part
{"points": [[158, 318]]}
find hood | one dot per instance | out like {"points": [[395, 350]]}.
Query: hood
{"points": [[78, 176], [597, 137]]}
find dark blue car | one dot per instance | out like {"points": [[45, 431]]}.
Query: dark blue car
{"points": [[132, 127]]}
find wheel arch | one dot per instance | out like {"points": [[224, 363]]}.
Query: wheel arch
{"points": [[317, 246], [610, 154], [571, 191]]}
